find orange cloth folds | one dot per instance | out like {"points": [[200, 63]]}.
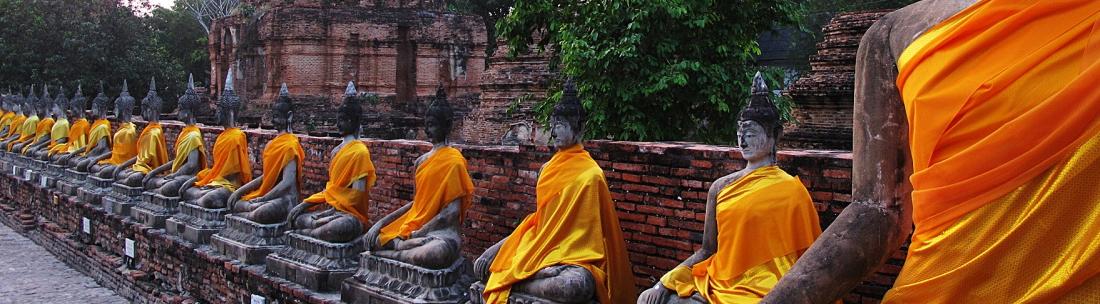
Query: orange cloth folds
{"points": [[278, 153], [574, 224], [16, 126], [101, 129], [41, 129], [350, 164], [26, 132], [440, 179], [152, 149], [78, 138], [123, 146], [230, 157], [60, 130], [190, 139], [996, 95]]}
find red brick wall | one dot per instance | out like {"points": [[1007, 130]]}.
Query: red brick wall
{"points": [[659, 191]]}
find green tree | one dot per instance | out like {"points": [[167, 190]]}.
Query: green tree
{"points": [[490, 12], [653, 69], [178, 31]]}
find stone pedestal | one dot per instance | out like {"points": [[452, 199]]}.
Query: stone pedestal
{"points": [[121, 198], [196, 224], [93, 190], [316, 264], [382, 280], [71, 182], [248, 241], [513, 298], [54, 172], [34, 170], [154, 209]]}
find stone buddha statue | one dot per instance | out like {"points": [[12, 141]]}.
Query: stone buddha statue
{"points": [[78, 131], [15, 126], [571, 250], [124, 141], [8, 113], [190, 149], [59, 132], [29, 126], [42, 129], [152, 148], [735, 264], [268, 198], [99, 140], [211, 187], [339, 213], [425, 232]]}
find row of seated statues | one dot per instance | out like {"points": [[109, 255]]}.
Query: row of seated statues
{"points": [[570, 250]]}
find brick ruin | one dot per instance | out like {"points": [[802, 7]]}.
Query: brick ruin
{"points": [[823, 97]]}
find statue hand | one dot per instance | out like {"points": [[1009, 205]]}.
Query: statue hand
{"points": [[481, 268], [370, 240]]}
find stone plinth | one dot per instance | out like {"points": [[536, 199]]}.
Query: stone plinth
{"points": [[247, 241], [196, 224], [54, 172], [93, 190], [71, 181], [121, 198], [382, 280], [315, 264], [154, 209], [513, 298]]}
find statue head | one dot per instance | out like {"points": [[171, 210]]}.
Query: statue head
{"points": [[282, 110], [349, 119], [99, 104], [78, 103], [29, 103], [189, 102], [440, 118], [150, 105], [17, 102], [45, 103], [229, 103], [568, 119], [60, 104], [124, 104], [759, 127]]}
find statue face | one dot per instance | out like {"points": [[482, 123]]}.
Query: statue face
{"points": [[435, 130], [755, 142], [562, 131]]}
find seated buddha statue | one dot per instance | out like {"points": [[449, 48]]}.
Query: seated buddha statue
{"points": [[77, 134], [8, 112], [571, 249], [338, 214], [759, 220], [152, 149], [268, 198], [211, 187], [13, 117], [42, 128], [425, 232], [124, 141], [59, 132], [26, 129], [99, 136], [190, 150]]}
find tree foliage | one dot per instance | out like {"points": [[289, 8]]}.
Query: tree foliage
{"points": [[653, 69]]}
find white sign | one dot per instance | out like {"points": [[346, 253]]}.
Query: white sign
{"points": [[87, 225], [27, 175], [42, 181], [258, 299], [130, 248], [13, 170]]}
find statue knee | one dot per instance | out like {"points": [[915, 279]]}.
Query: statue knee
{"points": [[341, 230], [572, 285]]}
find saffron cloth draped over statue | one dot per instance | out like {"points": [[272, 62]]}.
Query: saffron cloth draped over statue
{"points": [[230, 157], [152, 148], [350, 164], [279, 152], [440, 179]]}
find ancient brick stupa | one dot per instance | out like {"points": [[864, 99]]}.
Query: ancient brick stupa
{"points": [[823, 98]]}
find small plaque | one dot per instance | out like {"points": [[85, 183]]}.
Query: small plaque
{"points": [[130, 248], [42, 181], [13, 170], [27, 175], [87, 225], [257, 299]]}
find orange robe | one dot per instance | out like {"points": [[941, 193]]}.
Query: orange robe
{"points": [[16, 126], [5, 120], [101, 129], [41, 129], [190, 139], [350, 164], [230, 157], [574, 224], [278, 153], [1001, 101], [26, 132], [152, 149], [440, 179], [78, 138], [123, 146], [747, 262], [59, 131]]}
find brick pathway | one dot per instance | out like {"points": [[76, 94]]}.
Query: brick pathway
{"points": [[30, 274]]}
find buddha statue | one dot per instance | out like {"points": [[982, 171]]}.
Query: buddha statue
{"points": [[15, 125], [78, 131], [124, 141], [211, 187], [8, 113], [59, 132], [338, 214], [27, 128], [268, 198], [42, 128], [571, 250], [425, 232], [152, 149], [99, 140], [190, 150], [736, 264]]}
